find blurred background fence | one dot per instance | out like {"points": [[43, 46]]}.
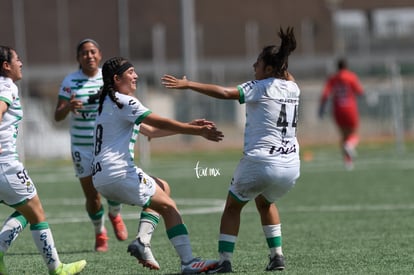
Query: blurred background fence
{"points": [[387, 112], [201, 40]]}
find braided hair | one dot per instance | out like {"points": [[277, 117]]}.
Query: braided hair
{"points": [[5, 56], [110, 68], [277, 57]]}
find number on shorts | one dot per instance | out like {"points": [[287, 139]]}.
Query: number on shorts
{"points": [[76, 156], [22, 175], [96, 168]]}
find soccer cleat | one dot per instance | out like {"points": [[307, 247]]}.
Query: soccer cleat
{"points": [[197, 266], [350, 151], [349, 165], [101, 241], [3, 270], [224, 267], [120, 229], [349, 154], [276, 263], [69, 269], [143, 254]]}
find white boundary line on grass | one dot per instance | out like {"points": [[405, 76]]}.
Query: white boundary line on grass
{"points": [[208, 206]]}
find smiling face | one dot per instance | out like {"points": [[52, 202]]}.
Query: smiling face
{"points": [[89, 58], [13, 69], [126, 83]]}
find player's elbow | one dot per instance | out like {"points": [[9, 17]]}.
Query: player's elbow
{"points": [[229, 94]]}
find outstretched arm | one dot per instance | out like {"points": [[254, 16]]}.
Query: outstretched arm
{"points": [[154, 132], [207, 131], [212, 90]]}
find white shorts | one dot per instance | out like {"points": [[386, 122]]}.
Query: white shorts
{"points": [[268, 179], [82, 157], [15, 184], [136, 188]]}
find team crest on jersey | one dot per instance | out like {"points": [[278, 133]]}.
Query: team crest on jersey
{"points": [[67, 90]]}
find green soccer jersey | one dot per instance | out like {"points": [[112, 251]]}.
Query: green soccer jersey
{"points": [[86, 89]]}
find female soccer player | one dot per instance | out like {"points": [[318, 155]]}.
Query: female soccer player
{"points": [[344, 87], [78, 95], [270, 165], [115, 175], [16, 188]]}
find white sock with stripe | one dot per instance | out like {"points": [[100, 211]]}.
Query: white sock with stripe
{"points": [[273, 234], [43, 238]]}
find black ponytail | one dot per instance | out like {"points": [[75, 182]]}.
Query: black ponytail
{"points": [[277, 57], [109, 70], [288, 45]]}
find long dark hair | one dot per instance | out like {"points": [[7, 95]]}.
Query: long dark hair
{"points": [[277, 57], [109, 70], [5, 56]]}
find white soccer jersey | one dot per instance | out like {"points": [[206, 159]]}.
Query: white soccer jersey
{"points": [[271, 118], [116, 132], [10, 121], [85, 89]]}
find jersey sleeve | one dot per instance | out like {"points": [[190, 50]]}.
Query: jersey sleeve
{"points": [[246, 91], [65, 90], [133, 110], [356, 85], [6, 93], [327, 90]]}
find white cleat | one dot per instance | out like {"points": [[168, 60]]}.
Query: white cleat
{"points": [[143, 254]]}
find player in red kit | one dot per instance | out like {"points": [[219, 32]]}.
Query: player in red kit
{"points": [[344, 87]]}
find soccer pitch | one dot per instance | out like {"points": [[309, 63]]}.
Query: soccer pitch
{"points": [[333, 221]]}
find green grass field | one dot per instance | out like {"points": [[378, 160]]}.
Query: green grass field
{"points": [[333, 221]]}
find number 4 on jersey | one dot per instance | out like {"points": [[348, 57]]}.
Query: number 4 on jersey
{"points": [[283, 122]]}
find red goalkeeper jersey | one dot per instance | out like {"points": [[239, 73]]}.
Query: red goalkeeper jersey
{"points": [[344, 87]]}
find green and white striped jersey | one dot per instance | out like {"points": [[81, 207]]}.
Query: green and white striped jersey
{"points": [[85, 89]]}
